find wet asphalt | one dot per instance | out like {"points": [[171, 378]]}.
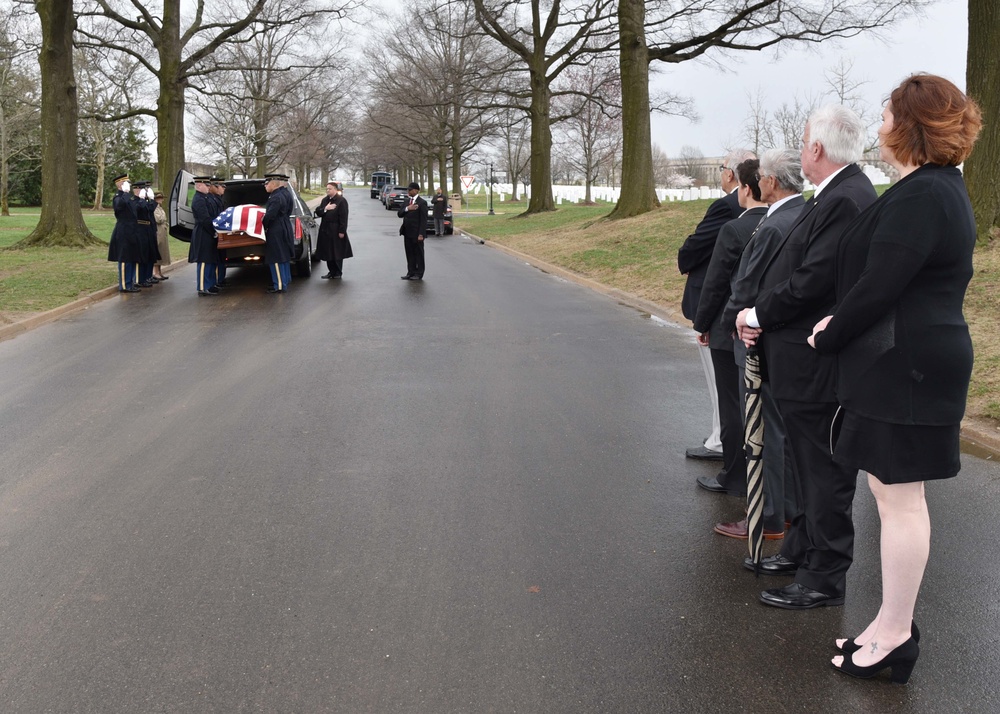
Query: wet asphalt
{"points": [[467, 494]]}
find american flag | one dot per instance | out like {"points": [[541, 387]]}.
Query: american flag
{"points": [[248, 218]]}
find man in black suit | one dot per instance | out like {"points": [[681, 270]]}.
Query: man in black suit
{"points": [[693, 259], [796, 291], [780, 181], [708, 324], [413, 230]]}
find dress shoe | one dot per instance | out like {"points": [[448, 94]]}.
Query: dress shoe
{"points": [[850, 646], [798, 597], [703, 453], [338, 276], [129, 290], [214, 290], [901, 660], [773, 565], [207, 292], [741, 530], [326, 277], [274, 290], [153, 280], [145, 285], [711, 483], [405, 277], [163, 277]]}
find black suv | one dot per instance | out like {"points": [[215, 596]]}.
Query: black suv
{"points": [[240, 192], [396, 197]]}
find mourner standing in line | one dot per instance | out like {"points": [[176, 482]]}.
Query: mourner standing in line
{"points": [[217, 189], [124, 245], [280, 241], [440, 204], [162, 242], [413, 230], [204, 242], [333, 245]]}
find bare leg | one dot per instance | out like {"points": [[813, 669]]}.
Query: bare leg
{"points": [[905, 542]]}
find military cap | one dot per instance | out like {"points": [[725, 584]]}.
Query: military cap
{"points": [[275, 177], [119, 177], [203, 179]]}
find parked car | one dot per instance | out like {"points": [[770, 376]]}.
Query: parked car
{"points": [[395, 198], [378, 181], [383, 192], [241, 192]]}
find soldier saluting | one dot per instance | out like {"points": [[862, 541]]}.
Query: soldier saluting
{"points": [[124, 245]]}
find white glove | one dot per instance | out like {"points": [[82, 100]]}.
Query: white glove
{"points": [[142, 194], [126, 186]]}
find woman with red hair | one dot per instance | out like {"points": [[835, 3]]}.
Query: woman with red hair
{"points": [[903, 347]]}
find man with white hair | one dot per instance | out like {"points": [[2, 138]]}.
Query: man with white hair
{"points": [[796, 291], [693, 260]]}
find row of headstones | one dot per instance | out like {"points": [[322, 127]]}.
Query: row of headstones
{"points": [[611, 194]]}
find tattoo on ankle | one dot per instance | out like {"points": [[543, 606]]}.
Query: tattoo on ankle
{"points": [[874, 647]]}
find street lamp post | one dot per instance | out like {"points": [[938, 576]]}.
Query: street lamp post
{"points": [[491, 189]]}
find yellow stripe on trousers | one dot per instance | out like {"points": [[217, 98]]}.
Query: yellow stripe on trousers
{"points": [[277, 272]]}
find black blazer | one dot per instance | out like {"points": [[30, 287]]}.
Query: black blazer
{"points": [[797, 289], [716, 289], [694, 256], [414, 222], [904, 351]]}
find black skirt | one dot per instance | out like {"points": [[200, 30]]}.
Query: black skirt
{"points": [[898, 453]]}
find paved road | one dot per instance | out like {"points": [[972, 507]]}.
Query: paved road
{"points": [[462, 495]]}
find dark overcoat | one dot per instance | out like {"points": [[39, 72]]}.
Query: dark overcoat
{"points": [[124, 245], [333, 222], [204, 241], [696, 252], [903, 266], [280, 245]]}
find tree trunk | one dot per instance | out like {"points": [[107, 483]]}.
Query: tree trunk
{"points": [[983, 78], [61, 222], [170, 103], [443, 175], [102, 160], [541, 145], [456, 153], [4, 167], [638, 186]]}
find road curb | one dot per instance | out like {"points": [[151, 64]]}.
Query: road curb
{"points": [[981, 437], [29, 323]]}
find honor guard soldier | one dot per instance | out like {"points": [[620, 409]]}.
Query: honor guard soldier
{"points": [[124, 246], [280, 240], [217, 191], [148, 252], [204, 251]]}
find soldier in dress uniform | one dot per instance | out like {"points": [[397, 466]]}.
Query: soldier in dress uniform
{"points": [[148, 252], [204, 251], [217, 190], [279, 247], [124, 246]]}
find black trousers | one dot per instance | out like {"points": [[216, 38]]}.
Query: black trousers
{"points": [[414, 256], [734, 462], [336, 267], [821, 539]]}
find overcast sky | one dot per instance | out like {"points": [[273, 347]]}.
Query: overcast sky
{"points": [[933, 43]]}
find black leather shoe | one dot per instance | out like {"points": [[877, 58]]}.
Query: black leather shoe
{"points": [[206, 292], [326, 277], [799, 597], [711, 483], [773, 565], [274, 290], [703, 454], [129, 290], [405, 277], [214, 290]]}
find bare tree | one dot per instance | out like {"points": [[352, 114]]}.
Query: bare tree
{"points": [[61, 221], [676, 32], [178, 53], [547, 44], [513, 144], [983, 78], [591, 132], [19, 98], [758, 133]]}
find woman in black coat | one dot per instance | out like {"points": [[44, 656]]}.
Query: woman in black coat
{"points": [[903, 347], [333, 245]]}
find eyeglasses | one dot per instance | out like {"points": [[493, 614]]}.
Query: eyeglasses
{"points": [[760, 177], [723, 167]]}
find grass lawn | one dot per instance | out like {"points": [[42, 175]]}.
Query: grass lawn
{"points": [[639, 255], [39, 279]]}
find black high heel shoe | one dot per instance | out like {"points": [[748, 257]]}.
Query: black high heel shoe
{"points": [[850, 647], [901, 660]]}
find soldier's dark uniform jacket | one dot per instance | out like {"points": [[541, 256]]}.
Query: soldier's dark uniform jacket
{"points": [[204, 242], [124, 245], [280, 238]]}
